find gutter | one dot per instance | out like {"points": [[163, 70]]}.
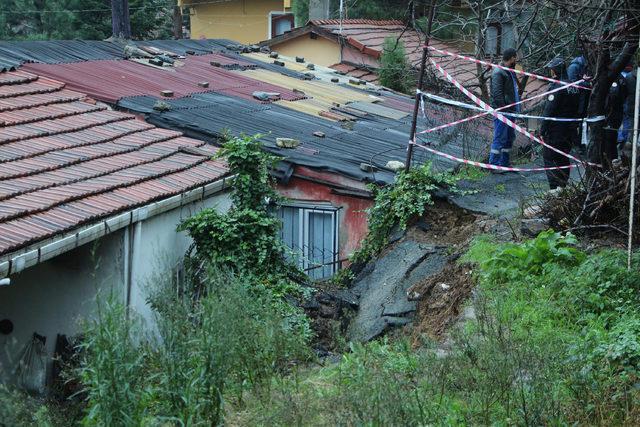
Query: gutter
{"points": [[17, 261]]}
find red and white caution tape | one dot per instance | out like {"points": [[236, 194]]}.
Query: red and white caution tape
{"points": [[501, 117], [485, 111], [455, 103], [502, 67], [487, 165]]}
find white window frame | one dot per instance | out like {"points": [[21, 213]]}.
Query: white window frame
{"points": [[305, 210], [270, 26]]}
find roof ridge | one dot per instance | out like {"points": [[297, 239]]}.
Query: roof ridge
{"points": [[378, 22]]}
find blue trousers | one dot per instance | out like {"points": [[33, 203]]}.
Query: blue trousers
{"points": [[503, 137]]}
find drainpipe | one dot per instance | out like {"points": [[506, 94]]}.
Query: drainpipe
{"points": [[132, 239]]}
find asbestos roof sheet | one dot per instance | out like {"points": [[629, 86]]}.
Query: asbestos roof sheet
{"points": [[66, 161], [111, 80]]}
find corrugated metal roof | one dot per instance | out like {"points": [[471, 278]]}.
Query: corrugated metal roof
{"points": [[109, 81], [65, 161]]}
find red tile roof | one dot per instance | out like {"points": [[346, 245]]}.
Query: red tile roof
{"points": [[65, 161], [368, 37], [110, 80], [356, 72], [351, 22]]}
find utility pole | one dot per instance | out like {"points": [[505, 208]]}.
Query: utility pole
{"points": [[423, 64], [120, 21]]}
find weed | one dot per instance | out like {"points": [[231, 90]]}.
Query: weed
{"points": [[216, 340], [397, 204]]}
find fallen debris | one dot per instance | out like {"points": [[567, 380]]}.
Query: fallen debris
{"points": [[441, 299], [596, 206]]}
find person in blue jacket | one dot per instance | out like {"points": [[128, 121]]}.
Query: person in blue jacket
{"points": [[579, 70], [504, 91]]}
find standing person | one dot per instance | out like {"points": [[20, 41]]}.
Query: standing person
{"points": [[625, 134], [504, 91], [578, 70], [558, 134], [614, 114]]}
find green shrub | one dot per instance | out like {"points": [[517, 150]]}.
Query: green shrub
{"points": [[395, 71], [398, 203], [216, 340], [21, 410], [246, 239], [113, 371]]}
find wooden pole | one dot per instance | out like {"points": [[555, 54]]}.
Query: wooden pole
{"points": [[423, 64], [634, 160]]}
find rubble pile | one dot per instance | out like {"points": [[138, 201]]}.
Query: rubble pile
{"points": [[596, 205]]}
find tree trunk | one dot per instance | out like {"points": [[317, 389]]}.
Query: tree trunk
{"points": [[120, 21], [177, 22]]}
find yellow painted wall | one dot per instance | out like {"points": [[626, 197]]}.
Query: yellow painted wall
{"points": [[319, 51], [245, 21]]}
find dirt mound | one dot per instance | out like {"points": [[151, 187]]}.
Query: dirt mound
{"points": [[441, 299], [444, 224]]}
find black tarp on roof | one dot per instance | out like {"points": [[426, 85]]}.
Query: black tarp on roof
{"points": [[207, 116]]}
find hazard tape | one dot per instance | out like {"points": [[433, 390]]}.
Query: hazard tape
{"points": [[519, 116], [502, 67], [485, 113], [501, 117], [487, 165]]}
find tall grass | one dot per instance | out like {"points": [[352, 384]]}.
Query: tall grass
{"points": [[213, 345]]}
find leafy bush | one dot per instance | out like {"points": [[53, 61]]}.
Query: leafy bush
{"points": [[211, 348], [395, 71], [20, 410], [246, 239], [397, 204]]}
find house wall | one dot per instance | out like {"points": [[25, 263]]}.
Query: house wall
{"points": [[52, 297], [353, 217], [320, 51], [245, 21]]}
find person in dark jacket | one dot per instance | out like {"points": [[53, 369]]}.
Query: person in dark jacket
{"points": [[578, 70], [558, 134], [614, 113], [504, 91], [624, 134]]}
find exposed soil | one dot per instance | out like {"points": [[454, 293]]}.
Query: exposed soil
{"points": [[441, 299], [444, 224]]}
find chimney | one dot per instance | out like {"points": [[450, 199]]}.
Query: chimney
{"points": [[319, 9]]}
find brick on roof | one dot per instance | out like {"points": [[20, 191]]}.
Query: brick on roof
{"points": [[66, 161]]}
